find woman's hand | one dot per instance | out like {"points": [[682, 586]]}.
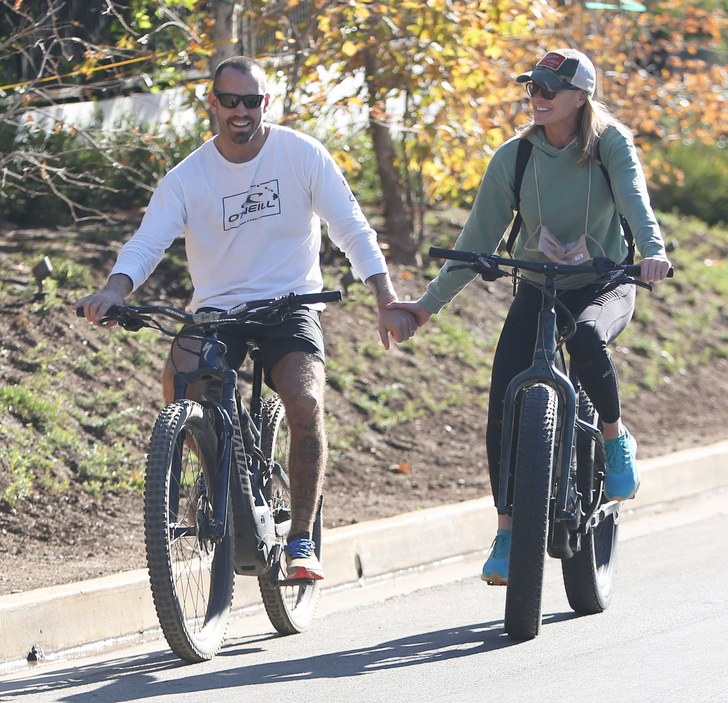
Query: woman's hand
{"points": [[416, 309], [654, 268]]}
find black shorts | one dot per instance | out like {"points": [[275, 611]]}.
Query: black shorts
{"points": [[302, 332]]}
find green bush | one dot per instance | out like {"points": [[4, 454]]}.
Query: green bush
{"points": [[703, 192]]}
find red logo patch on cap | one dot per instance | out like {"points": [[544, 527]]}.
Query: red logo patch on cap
{"points": [[552, 60]]}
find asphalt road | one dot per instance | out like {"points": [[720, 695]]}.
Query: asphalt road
{"points": [[436, 634]]}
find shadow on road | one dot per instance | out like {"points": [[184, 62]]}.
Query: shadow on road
{"points": [[134, 679]]}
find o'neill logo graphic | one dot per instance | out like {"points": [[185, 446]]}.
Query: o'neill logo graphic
{"points": [[261, 200]]}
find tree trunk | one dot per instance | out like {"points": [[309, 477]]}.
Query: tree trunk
{"points": [[400, 233], [224, 36]]}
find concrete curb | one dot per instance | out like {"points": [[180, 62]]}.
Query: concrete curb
{"points": [[120, 606]]}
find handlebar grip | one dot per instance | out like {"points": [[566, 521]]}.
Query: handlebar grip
{"points": [[113, 311], [633, 270], [330, 296], [325, 296], [451, 254]]}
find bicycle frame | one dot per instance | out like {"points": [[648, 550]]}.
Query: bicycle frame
{"points": [[252, 520], [544, 369], [568, 508]]}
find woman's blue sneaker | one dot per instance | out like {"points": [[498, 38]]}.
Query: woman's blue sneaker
{"points": [[622, 478], [495, 569]]}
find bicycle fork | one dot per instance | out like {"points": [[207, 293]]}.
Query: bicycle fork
{"points": [[215, 528]]}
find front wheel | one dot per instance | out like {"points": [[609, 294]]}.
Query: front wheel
{"points": [[290, 608], [191, 574], [531, 500], [589, 574]]}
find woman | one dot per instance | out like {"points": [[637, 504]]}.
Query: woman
{"points": [[570, 215]]}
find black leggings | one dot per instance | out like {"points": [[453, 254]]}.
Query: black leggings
{"points": [[601, 313]]}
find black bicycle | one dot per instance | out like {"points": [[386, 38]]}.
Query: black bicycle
{"points": [[552, 457], [217, 495]]}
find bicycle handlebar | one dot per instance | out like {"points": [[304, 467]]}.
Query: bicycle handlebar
{"points": [[129, 316], [490, 262], [452, 254], [297, 299]]}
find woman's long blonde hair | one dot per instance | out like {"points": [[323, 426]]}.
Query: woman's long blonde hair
{"points": [[595, 118]]}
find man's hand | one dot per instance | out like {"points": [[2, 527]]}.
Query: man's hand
{"points": [[416, 309], [400, 324], [97, 304], [415, 316]]}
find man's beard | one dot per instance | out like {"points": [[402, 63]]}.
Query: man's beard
{"points": [[239, 137]]}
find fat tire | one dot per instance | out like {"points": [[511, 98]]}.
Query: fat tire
{"points": [[590, 574], [191, 577], [531, 503], [290, 608]]}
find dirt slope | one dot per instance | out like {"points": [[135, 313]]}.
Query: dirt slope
{"points": [[406, 427]]}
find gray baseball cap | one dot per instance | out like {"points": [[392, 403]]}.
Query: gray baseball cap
{"points": [[563, 69]]}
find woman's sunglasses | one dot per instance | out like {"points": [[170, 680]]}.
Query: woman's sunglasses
{"points": [[231, 101], [534, 89]]}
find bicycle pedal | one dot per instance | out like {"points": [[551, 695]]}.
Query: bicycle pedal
{"points": [[295, 582]]}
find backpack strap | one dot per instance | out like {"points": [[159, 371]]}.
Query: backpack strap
{"points": [[629, 237], [522, 156]]}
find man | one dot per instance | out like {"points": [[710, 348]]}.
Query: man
{"points": [[248, 203]]}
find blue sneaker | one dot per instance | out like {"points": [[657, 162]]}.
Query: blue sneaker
{"points": [[622, 478], [302, 562], [495, 569]]}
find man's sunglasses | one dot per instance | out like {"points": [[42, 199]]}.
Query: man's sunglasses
{"points": [[231, 101], [534, 89]]}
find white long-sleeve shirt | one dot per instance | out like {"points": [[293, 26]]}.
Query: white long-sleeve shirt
{"points": [[253, 230]]}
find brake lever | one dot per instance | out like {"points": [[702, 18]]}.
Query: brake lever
{"points": [[131, 324], [619, 276]]}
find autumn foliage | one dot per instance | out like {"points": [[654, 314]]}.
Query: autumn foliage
{"points": [[446, 68], [429, 82]]}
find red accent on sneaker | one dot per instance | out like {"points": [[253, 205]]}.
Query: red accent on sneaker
{"points": [[304, 574]]}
